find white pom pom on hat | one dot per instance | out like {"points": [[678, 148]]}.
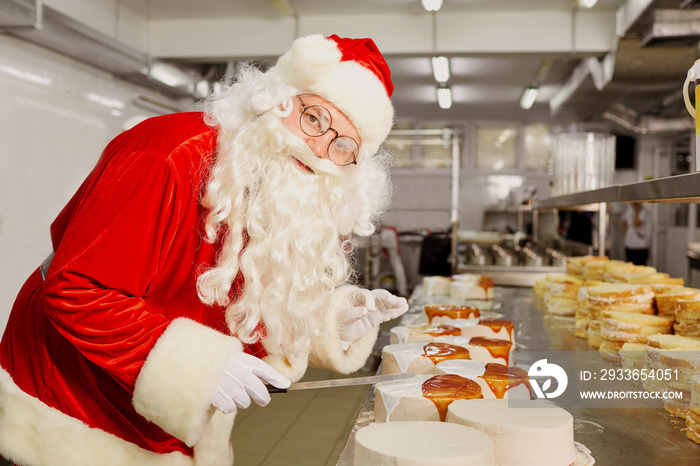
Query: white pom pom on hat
{"points": [[350, 73]]}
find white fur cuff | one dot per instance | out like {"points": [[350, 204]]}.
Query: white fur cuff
{"points": [[177, 383], [328, 353]]}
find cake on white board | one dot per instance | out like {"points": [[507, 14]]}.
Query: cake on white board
{"points": [[445, 313], [482, 327], [422, 444], [495, 380], [421, 357], [421, 398], [529, 433], [436, 285], [480, 289]]}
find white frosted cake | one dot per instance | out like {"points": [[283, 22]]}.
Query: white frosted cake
{"points": [[488, 328], [482, 327], [400, 357], [495, 380], [446, 313], [540, 434], [437, 285], [421, 333], [421, 398], [421, 358], [481, 288], [422, 444]]}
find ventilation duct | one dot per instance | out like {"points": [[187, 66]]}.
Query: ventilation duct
{"points": [[673, 28], [40, 24]]}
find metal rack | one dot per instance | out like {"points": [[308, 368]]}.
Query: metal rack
{"points": [[672, 189]]}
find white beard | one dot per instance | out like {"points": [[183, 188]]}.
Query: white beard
{"points": [[298, 225]]}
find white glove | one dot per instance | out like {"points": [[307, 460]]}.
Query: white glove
{"points": [[357, 316], [242, 381], [388, 305]]}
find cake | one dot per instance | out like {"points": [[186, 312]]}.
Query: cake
{"points": [[444, 313], [480, 289], [692, 419], [421, 333], [422, 443], [678, 357], [656, 278], [632, 355], [666, 298], [422, 398], [617, 328], [495, 380], [575, 265], [687, 313], [436, 285], [421, 357], [488, 328], [527, 433]]}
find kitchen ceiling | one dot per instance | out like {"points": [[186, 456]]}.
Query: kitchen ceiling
{"points": [[620, 62]]}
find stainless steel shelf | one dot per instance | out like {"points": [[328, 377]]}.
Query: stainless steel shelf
{"points": [[676, 189]]}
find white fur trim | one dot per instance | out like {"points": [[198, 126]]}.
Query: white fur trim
{"points": [[313, 66], [177, 382], [290, 367], [36, 434], [327, 353]]}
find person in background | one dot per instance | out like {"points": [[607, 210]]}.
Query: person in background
{"points": [[205, 256], [636, 228]]}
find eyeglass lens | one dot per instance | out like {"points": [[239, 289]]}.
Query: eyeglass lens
{"points": [[316, 121]]}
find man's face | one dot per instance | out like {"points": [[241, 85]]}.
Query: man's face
{"points": [[340, 125]]}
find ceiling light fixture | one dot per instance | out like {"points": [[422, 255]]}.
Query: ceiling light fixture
{"points": [[432, 5], [529, 97], [444, 97], [441, 69], [586, 3]]}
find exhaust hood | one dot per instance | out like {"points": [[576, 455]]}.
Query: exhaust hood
{"points": [[40, 24]]}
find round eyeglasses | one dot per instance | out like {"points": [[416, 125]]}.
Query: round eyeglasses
{"points": [[316, 121]]}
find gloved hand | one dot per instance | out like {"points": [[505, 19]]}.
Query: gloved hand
{"points": [[242, 381], [388, 305], [357, 316]]}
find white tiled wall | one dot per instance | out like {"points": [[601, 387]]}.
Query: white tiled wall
{"points": [[56, 115]]}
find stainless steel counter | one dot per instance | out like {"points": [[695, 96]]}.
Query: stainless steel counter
{"points": [[615, 436]]}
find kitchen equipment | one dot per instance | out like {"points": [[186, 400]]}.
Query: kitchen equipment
{"points": [[341, 382], [693, 75]]}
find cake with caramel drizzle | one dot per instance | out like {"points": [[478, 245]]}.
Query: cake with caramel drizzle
{"points": [[495, 380], [445, 313], [423, 398], [421, 357]]}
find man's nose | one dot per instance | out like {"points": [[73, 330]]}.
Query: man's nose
{"points": [[319, 144]]}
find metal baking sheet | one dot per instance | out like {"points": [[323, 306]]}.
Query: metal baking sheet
{"points": [[615, 436]]}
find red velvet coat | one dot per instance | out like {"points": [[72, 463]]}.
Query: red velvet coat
{"points": [[129, 246]]}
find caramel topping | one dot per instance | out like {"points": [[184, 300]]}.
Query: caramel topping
{"points": [[497, 324], [497, 348], [501, 378], [438, 352], [485, 283], [453, 312], [438, 330], [444, 389]]}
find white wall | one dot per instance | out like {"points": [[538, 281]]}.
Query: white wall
{"points": [[56, 115]]}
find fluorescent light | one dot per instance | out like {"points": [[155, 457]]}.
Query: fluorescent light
{"points": [[529, 97], [441, 69], [586, 3], [444, 97], [432, 5]]}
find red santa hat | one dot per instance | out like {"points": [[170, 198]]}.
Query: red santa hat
{"points": [[350, 73]]}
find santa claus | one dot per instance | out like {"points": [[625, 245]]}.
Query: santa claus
{"points": [[206, 255]]}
